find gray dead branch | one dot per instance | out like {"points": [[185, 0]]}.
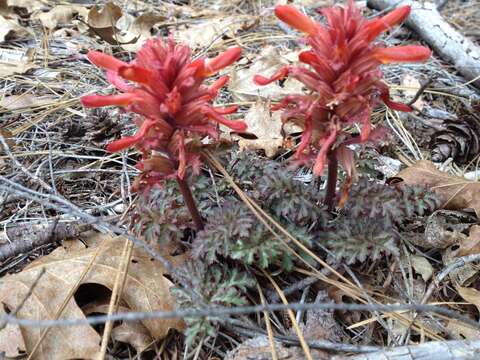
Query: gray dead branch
{"points": [[444, 350], [25, 237], [448, 43]]}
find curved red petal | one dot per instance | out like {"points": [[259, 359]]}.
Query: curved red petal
{"points": [[236, 125], [296, 19], [129, 141], [322, 154], [377, 26], [105, 61], [218, 84], [136, 73], [279, 75], [399, 54], [226, 110], [226, 58], [107, 100]]}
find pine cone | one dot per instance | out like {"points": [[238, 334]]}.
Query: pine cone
{"points": [[460, 140]]}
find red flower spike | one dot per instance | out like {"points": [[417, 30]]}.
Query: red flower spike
{"points": [[166, 88], [341, 69]]}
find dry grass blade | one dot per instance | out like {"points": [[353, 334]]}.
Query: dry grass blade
{"points": [[268, 324], [291, 315], [116, 294]]}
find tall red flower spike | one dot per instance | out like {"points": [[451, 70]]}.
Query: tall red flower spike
{"points": [[166, 87], [343, 78]]}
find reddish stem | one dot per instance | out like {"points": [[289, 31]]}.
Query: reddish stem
{"points": [[331, 179], [190, 202]]}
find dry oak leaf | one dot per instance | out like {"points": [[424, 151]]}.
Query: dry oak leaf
{"points": [[60, 15], [470, 245], [456, 193], [8, 6], [422, 266], [10, 28], [25, 101], [266, 63], [133, 333], [103, 22], [470, 295], [135, 31], [267, 128], [146, 289], [11, 339], [462, 330], [205, 33], [407, 90]]}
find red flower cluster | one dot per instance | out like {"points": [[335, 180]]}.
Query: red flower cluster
{"points": [[167, 89], [343, 78]]}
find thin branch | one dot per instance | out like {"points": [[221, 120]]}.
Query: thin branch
{"points": [[314, 344], [438, 350], [218, 311], [38, 236]]}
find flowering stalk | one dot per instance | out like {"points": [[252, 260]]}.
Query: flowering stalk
{"points": [[166, 88], [342, 74]]}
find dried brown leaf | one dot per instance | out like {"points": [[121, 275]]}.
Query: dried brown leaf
{"points": [[60, 15], [146, 289], [205, 33], [135, 31], [11, 339], [16, 102], [133, 333], [422, 266], [471, 244], [29, 5], [407, 90], [457, 193], [470, 295], [11, 29], [103, 22], [462, 330], [268, 62], [266, 127]]}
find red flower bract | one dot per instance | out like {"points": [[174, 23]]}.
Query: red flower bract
{"points": [[166, 87], [343, 78]]}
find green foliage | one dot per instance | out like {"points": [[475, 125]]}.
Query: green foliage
{"points": [[368, 226], [234, 232], [359, 239], [217, 285], [292, 201], [161, 216], [391, 203], [234, 240]]}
